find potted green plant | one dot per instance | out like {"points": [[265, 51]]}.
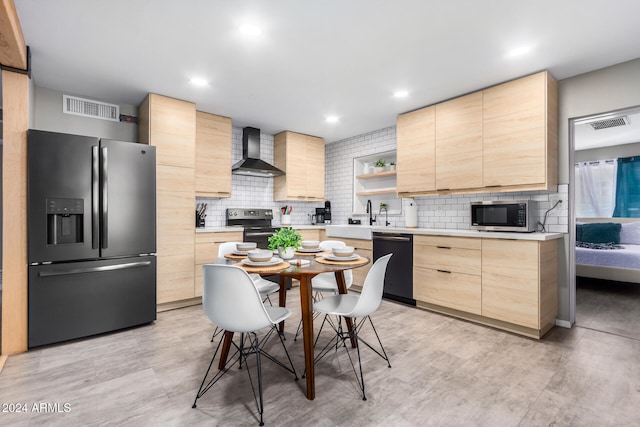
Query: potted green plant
{"points": [[379, 166], [392, 166], [286, 240]]}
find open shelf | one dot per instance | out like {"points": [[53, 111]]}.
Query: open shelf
{"points": [[375, 187], [376, 192], [376, 175]]}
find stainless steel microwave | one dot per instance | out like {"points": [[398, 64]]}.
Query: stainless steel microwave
{"points": [[504, 215]]}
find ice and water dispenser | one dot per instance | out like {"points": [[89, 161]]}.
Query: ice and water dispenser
{"points": [[64, 221]]}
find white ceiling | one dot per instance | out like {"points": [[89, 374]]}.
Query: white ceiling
{"points": [[316, 58], [586, 137]]}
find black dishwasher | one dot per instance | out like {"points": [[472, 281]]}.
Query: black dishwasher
{"points": [[398, 282]]}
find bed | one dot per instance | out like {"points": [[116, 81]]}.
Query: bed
{"points": [[618, 255]]}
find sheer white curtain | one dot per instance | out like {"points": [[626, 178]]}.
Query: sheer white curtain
{"points": [[596, 189]]}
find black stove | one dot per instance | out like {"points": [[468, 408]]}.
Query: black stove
{"points": [[256, 224], [257, 228]]}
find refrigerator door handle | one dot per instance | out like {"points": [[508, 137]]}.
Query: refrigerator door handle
{"points": [[105, 199], [94, 269], [95, 198]]}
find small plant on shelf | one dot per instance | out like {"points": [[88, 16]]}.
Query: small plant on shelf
{"points": [[379, 166], [392, 166], [286, 237]]}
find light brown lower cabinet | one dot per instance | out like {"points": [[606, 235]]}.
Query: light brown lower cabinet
{"points": [[446, 272], [363, 248], [509, 284], [517, 282], [310, 234], [207, 245]]}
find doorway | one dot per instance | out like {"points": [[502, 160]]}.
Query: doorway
{"points": [[606, 290]]}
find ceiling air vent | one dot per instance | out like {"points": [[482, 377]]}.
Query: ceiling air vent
{"points": [[88, 108], [610, 123]]}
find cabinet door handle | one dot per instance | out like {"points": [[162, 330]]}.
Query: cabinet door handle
{"points": [[490, 186], [444, 271], [443, 247]]}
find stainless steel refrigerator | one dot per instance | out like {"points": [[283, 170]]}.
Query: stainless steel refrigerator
{"points": [[91, 236]]}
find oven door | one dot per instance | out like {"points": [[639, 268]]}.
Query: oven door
{"points": [[258, 235]]}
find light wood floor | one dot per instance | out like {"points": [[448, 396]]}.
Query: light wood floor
{"points": [[446, 372]]}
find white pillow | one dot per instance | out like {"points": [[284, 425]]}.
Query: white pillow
{"points": [[630, 233]]}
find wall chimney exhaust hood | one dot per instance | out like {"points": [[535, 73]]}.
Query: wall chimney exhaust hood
{"points": [[251, 165]]}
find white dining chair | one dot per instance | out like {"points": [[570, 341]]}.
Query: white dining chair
{"points": [[265, 287], [359, 308], [231, 301], [326, 282]]}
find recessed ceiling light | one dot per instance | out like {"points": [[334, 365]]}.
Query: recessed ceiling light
{"points": [[250, 30], [332, 119], [520, 51], [401, 94], [198, 81]]}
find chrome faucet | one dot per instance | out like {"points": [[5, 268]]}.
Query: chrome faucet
{"points": [[372, 218], [386, 215]]}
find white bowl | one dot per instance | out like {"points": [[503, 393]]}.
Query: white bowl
{"points": [[310, 244], [246, 246], [260, 255], [344, 251]]}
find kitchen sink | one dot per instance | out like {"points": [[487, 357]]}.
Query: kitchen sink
{"points": [[349, 231]]}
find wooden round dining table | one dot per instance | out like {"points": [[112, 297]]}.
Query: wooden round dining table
{"points": [[304, 274]]}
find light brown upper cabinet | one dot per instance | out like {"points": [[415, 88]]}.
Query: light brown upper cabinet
{"points": [[170, 125], [459, 143], [213, 155], [520, 147], [416, 152], [504, 138], [301, 157]]}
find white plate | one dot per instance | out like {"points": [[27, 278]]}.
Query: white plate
{"points": [[332, 257], [240, 252], [310, 251], [273, 261]]}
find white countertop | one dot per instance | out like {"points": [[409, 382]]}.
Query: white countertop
{"points": [[417, 231], [470, 233], [218, 229], [239, 228]]}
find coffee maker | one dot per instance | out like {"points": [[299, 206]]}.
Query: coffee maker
{"points": [[323, 215]]}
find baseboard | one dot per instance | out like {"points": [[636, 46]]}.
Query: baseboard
{"points": [[563, 323]]}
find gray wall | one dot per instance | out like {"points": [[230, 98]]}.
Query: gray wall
{"points": [[605, 153], [48, 116], [599, 91]]}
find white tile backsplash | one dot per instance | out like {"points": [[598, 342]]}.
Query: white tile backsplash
{"points": [[450, 211]]}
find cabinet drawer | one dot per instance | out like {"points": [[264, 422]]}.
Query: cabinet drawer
{"points": [[454, 290], [456, 260], [225, 236], [450, 242]]}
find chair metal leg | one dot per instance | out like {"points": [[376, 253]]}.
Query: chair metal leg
{"points": [[216, 332], [341, 336], [384, 353], [230, 362]]}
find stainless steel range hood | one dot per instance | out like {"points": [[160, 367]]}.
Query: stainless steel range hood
{"points": [[251, 165]]}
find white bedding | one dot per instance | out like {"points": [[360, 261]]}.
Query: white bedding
{"points": [[629, 257]]}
